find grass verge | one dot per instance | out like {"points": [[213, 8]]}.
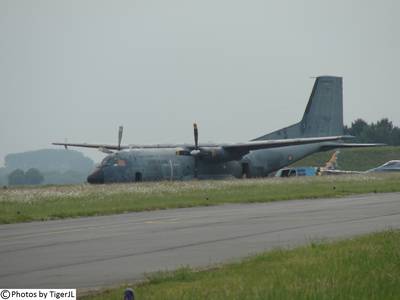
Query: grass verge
{"points": [[54, 202], [366, 267]]}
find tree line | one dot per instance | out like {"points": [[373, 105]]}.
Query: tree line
{"points": [[30, 177], [383, 131], [56, 166]]}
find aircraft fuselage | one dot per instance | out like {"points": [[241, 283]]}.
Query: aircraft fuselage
{"points": [[164, 164]]}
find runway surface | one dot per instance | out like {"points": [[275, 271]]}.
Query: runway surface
{"points": [[102, 251]]}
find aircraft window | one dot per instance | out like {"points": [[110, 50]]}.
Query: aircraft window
{"points": [[105, 161], [121, 162], [109, 161]]}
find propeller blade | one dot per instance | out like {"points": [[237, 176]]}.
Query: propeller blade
{"points": [[120, 130], [196, 136], [196, 151]]}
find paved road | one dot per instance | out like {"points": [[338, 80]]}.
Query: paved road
{"points": [[100, 251]]}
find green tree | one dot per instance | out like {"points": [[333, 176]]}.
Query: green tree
{"points": [[16, 177], [383, 131], [396, 136], [33, 176], [358, 126]]}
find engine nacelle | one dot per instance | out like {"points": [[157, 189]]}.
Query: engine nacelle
{"points": [[216, 155], [182, 152]]}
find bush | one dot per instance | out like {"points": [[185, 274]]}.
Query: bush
{"points": [[16, 177], [32, 177]]}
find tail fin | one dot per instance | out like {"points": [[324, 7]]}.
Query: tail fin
{"points": [[323, 115], [332, 163]]}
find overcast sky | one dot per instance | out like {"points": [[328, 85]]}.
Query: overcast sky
{"points": [[78, 69]]}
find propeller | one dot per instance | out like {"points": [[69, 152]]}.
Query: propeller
{"points": [[196, 136], [108, 151], [120, 130], [195, 153]]}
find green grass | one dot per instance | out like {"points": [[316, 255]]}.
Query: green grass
{"points": [[53, 202], [360, 159], [366, 267]]}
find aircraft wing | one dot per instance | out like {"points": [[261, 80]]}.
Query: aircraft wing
{"points": [[267, 144], [95, 146], [339, 172], [236, 147], [330, 146], [131, 146]]}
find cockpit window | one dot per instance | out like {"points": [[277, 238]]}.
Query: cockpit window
{"points": [[113, 161], [390, 164], [108, 161], [121, 162]]}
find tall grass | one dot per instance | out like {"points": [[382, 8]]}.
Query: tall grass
{"points": [[44, 203]]}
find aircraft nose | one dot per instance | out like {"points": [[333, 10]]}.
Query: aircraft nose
{"points": [[96, 177]]}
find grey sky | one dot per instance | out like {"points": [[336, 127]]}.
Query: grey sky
{"points": [[78, 69]]}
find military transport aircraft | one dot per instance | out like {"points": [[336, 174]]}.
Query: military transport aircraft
{"points": [[320, 129]]}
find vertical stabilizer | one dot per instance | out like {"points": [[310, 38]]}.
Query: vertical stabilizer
{"points": [[323, 115]]}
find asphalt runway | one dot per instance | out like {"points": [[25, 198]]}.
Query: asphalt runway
{"points": [[103, 251]]}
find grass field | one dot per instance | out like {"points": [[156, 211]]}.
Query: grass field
{"points": [[52, 202], [360, 159], [367, 267]]}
